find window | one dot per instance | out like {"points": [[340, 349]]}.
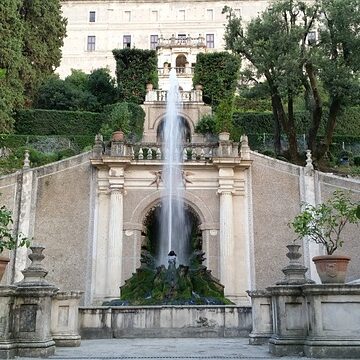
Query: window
{"points": [[181, 15], [153, 41], [154, 15], [127, 16], [210, 43], [91, 43], [92, 16], [127, 41], [210, 14]]}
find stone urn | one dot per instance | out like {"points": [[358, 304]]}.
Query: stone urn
{"points": [[149, 87], [331, 268], [117, 136], [198, 87], [3, 263]]}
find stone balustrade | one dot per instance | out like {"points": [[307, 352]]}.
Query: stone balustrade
{"points": [[192, 96], [181, 41], [180, 71]]}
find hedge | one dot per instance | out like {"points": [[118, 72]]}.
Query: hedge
{"points": [[263, 122], [46, 143], [57, 122], [134, 69]]}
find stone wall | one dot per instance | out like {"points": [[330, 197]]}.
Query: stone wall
{"points": [[58, 204], [164, 321], [275, 201]]}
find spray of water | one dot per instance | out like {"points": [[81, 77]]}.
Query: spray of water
{"points": [[174, 233]]}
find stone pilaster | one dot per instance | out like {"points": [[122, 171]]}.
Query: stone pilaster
{"points": [[308, 195]]}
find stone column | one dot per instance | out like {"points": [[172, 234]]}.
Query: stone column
{"points": [[226, 228], [115, 243], [115, 233]]}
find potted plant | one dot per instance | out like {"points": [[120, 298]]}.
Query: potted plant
{"points": [[324, 224], [224, 118], [8, 241]]}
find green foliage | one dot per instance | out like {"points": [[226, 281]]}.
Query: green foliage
{"points": [[218, 74], [8, 240], [79, 91], [11, 62], [57, 94], [134, 69], [252, 104], [44, 31], [357, 160], [102, 86], [224, 115], [127, 117], [53, 122], [206, 125], [326, 71], [325, 222]]}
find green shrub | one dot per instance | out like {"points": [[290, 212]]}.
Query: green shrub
{"points": [[124, 116], [55, 122], [134, 69], [357, 160], [206, 125], [224, 115]]}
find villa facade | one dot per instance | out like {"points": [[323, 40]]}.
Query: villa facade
{"points": [[178, 30]]}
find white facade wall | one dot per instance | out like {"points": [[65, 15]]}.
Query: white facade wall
{"points": [[140, 19]]}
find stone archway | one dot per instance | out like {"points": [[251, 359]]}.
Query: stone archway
{"points": [[186, 131], [192, 235]]}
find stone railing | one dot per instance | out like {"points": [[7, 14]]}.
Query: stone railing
{"points": [[185, 96], [154, 151], [190, 151], [180, 71], [181, 42]]}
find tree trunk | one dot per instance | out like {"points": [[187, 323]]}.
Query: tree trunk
{"points": [[316, 110], [335, 107], [291, 132], [277, 129]]}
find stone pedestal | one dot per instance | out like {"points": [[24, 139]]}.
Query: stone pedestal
{"points": [[334, 321], [289, 320], [64, 318], [32, 310], [262, 328], [7, 343]]}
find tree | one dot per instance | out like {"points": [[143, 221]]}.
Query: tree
{"points": [[44, 31], [280, 49], [218, 74], [11, 62], [102, 85]]}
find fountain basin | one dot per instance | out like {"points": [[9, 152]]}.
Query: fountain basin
{"points": [[164, 321]]}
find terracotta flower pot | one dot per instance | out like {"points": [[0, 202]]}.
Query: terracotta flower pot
{"points": [[117, 136], [3, 263], [331, 268]]}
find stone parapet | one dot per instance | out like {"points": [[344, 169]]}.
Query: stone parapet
{"points": [[164, 321], [262, 327], [319, 321], [64, 318]]}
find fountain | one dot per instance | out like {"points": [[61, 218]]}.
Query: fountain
{"points": [[159, 280]]}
